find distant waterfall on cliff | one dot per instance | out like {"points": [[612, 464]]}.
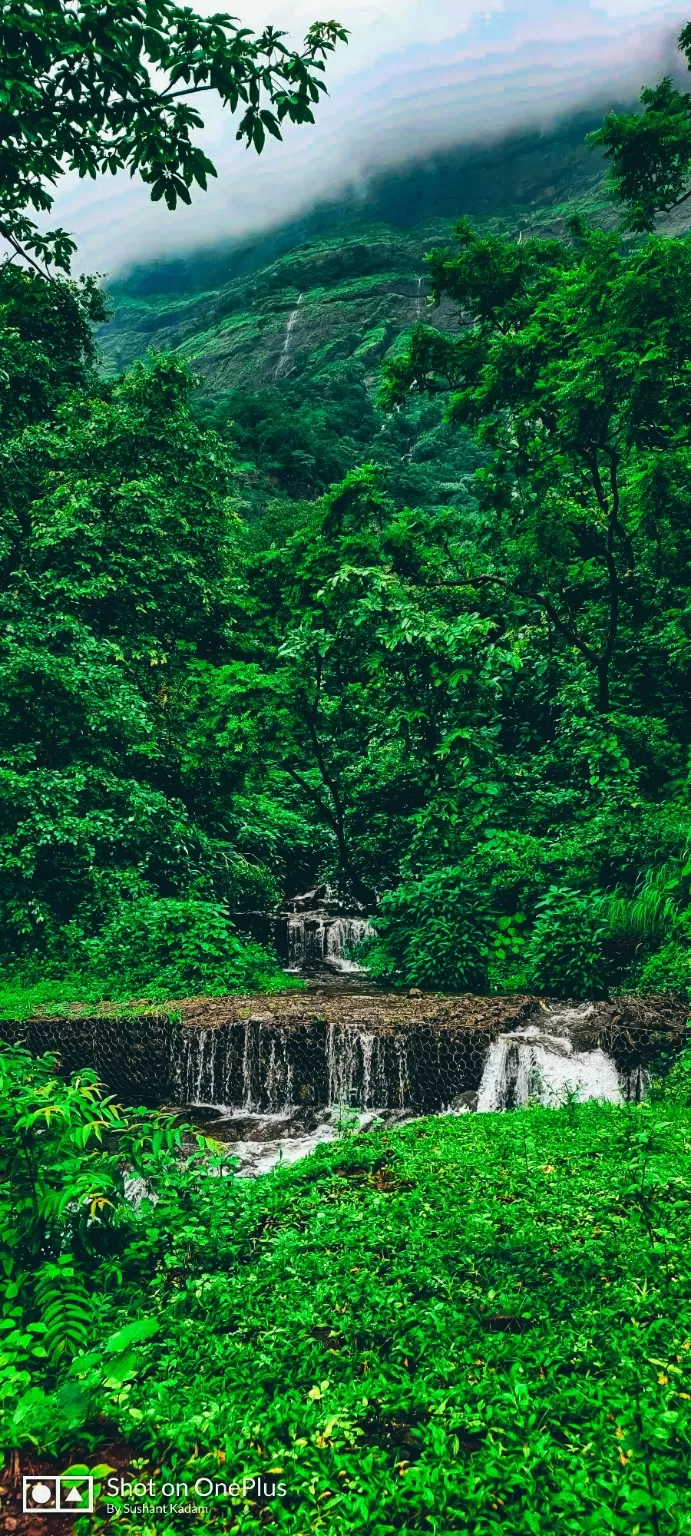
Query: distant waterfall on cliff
{"points": [[284, 364], [419, 301]]}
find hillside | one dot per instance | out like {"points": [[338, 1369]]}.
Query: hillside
{"points": [[352, 270]]}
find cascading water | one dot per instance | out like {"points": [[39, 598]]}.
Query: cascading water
{"points": [[316, 940], [276, 1086], [540, 1065], [418, 301], [283, 365]]}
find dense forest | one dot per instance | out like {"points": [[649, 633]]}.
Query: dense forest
{"points": [[387, 592], [357, 558]]}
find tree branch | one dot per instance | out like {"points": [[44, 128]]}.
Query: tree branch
{"points": [[19, 251]]}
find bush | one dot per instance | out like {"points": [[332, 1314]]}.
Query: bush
{"points": [[433, 932], [667, 971], [565, 957], [180, 946]]}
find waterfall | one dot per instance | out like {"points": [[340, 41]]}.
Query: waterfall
{"points": [[283, 365], [342, 934], [359, 1069], [315, 941], [418, 301], [341, 1050], [532, 1066]]}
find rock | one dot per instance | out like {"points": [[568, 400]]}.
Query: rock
{"points": [[415, 992]]}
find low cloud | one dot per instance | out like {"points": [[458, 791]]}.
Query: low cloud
{"points": [[415, 79]]}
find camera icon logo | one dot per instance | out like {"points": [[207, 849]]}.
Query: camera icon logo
{"points": [[70, 1494]]}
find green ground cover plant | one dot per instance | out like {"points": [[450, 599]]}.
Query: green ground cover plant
{"points": [[472, 1323]]}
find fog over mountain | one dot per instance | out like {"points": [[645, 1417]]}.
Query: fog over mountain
{"points": [[415, 79]]}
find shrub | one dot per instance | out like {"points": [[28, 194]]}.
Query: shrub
{"points": [[669, 970], [180, 945], [565, 956], [433, 932]]}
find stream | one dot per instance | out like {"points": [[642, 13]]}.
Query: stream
{"points": [[275, 1094]]}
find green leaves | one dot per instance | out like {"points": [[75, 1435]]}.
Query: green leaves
{"points": [[103, 91], [433, 933], [64, 1308], [565, 956]]}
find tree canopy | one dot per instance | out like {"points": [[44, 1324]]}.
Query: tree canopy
{"points": [[650, 151], [100, 86]]}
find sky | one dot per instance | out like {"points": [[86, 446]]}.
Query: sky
{"points": [[417, 76]]}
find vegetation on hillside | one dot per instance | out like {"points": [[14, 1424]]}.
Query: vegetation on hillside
{"points": [[412, 620]]}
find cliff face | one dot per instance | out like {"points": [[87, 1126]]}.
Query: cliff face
{"points": [[329, 301], [355, 268]]}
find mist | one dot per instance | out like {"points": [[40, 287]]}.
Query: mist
{"points": [[415, 79]]}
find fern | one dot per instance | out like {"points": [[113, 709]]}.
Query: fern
{"points": [[65, 1308]]}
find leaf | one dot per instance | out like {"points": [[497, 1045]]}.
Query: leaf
{"points": [[132, 1333]]}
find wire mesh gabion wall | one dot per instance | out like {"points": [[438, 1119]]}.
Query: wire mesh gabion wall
{"points": [[132, 1055], [265, 1055]]}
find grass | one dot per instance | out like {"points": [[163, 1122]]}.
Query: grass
{"points": [[20, 999], [477, 1324]]}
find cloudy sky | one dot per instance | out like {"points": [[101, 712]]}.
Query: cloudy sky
{"points": [[418, 75]]}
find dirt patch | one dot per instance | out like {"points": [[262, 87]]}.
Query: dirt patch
{"points": [[383, 1012], [20, 1464]]}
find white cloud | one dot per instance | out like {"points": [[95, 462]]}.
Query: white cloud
{"points": [[418, 75]]}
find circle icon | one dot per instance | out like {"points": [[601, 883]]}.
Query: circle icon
{"points": [[41, 1494]]}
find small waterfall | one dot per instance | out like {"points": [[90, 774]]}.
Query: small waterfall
{"points": [[418, 301], [251, 1087], [283, 365], [359, 1069], [311, 1058], [315, 940], [198, 1078], [342, 934], [533, 1066]]}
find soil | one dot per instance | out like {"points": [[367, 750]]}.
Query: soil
{"points": [[386, 1012], [13, 1522]]}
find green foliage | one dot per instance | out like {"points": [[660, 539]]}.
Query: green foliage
{"points": [[64, 1309], [565, 956], [650, 151], [46, 343], [274, 637], [65, 1146], [188, 946], [667, 970], [512, 1287], [66, 1152], [433, 933], [101, 90], [675, 1086]]}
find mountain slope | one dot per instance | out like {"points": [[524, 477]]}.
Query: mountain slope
{"points": [[348, 280]]}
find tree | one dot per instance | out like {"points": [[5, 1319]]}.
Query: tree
{"points": [[570, 366], [104, 85], [650, 151]]}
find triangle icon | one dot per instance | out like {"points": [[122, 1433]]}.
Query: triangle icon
{"points": [[74, 1497]]}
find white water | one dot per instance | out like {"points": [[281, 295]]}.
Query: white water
{"points": [[283, 365], [315, 939], [357, 1068], [268, 1120], [539, 1065], [418, 300], [274, 1140], [345, 933]]}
